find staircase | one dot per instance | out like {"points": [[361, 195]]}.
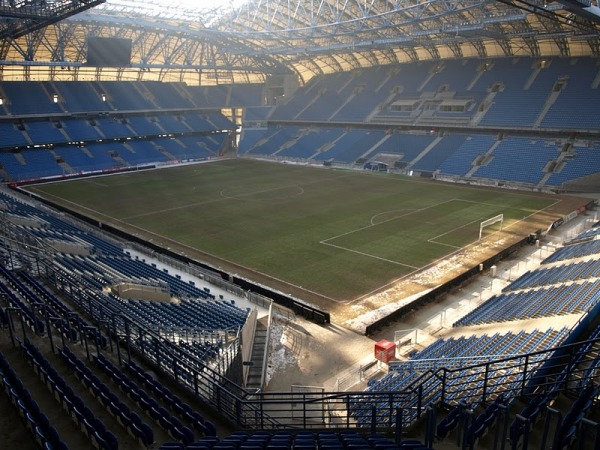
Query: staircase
{"points": [[255, 376], [487, 158], [483, 108], [549, 102]]}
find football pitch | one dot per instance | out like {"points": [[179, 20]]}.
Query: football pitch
{"points": [[337, 233]]}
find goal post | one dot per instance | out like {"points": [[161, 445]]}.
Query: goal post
{"points": [[489, 222]]}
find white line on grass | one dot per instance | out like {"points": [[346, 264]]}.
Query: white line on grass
{"points": [[486, 204], [174, 208], [373, 222], [369, 255], [161, 240], [223, 196], [530, 215], [433, 239], [96, 183], [324, 241], [245, 195]]}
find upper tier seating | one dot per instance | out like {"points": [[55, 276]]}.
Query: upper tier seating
{"points": [[576, 104], [518, 108], [256, 113], [80, 97], [482, 94], [29, 98], [501, 93], [26, 98]]}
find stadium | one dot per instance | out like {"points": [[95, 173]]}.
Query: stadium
{"points": [[299, 224]]}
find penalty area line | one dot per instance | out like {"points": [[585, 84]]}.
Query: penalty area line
{"points": [[433, 239], [371, 225], [369, 256]]}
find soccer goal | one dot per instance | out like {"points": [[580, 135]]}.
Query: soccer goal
{"points": [[489, 222]]}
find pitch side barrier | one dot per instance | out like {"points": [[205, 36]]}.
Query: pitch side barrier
{"points": [[448, 286], [302, 309]]}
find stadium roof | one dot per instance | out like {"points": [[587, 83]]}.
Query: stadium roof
{"points": [[247, 41]]}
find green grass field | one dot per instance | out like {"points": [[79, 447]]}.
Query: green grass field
{"points": [[338, 233]]}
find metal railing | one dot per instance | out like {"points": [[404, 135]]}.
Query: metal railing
{"points": [[217, 383]]}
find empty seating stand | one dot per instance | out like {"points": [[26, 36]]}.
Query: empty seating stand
{"points": [[106, 397], [34, 420], [91, 122], [85, 419], [300, 440], [460, 385], [171, 401], [534, 303]]}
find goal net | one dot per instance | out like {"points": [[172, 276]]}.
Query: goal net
{"points": [[490, 222]]}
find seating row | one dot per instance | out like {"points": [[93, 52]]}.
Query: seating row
{"points": [[27, 314], [587, 235], [534, 303], [31, 97], [59, 315], [61, 131], [548, 393], [68, 322], [478, 427], [36, 422], [147, 403], [128, 419], [579, 410], [300, 440], [465, 385], [172, 401], [85, 419], [555, 275], [576, 249]]}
